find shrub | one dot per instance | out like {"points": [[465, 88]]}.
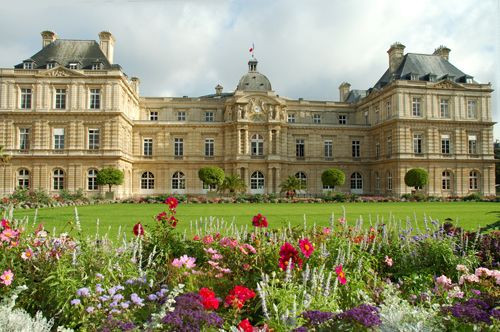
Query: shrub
{"points": [[333, 177], [416, 177], [109, 176], [472, 197], [212, 176]]}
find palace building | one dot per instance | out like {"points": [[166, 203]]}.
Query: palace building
{"points": [[69, 110]]}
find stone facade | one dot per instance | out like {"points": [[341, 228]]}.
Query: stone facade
{"points": [[63, 119]]}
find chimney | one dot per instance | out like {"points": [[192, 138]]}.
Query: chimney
{"points": [[48, 37], [396, 53], [134, 81], [443, 52], [344, 89], [107, 44], [218, 89]]}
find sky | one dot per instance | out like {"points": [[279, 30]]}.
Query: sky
{"points": [[305, 48]]}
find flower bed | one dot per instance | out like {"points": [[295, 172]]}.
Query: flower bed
{"points": [[388, 277]]}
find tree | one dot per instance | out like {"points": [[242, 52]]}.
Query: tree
{"points": [[291, 185], [211, 176], [109, 176], [333, 177], [4, 158], [233, 184], [416, 177]]}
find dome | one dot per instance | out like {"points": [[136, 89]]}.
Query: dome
{"points": [[253, 80]]}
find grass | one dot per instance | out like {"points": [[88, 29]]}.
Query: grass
{"points": [[468, 215]]}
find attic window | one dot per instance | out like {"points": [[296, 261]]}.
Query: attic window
{"points": [[73, 65], [28, 65], [50, 65], [414, 77], [97, 66], [432, 78], [468, 80]]}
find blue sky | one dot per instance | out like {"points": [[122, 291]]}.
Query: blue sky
{"points": [[306, 48]]}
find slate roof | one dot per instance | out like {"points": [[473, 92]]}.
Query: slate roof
{"points": [[423, 65], [356, 95], [221, 96], [65, 51]]}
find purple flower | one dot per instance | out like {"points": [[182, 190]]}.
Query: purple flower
{"points": [[125, 304], [113, 304], [476, 292], [75, 302], [136, 299], [129, 282], [85, 292], [99, 276], [118, 297], [152, 297], [315, 317], [104, 298], [364, 314], [471, 311], [99, 289], [90, 310]]}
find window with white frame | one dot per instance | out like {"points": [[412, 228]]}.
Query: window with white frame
{"points": [[444, 108], [92, 179], [418, 143], [58, 179], [300, 148], [23, 178], [377, 150], [148, 147], [209, 147], [343, 119], [93, 138], [388, 108], [257, 145], [291, 118], [356, 148], [60, 99], [302, 178], [473, 180], [95, 99], [178, 181], [446, 180], [377, 182], [147, 181], [26, 97], [181, 116], [178, 147], [328, 148], [389, 146], [97, 66], [73, 65], [24, 138], [472, 144], [415, 106], [59, 138], [50, 65], [317, 118], [356, 181], [28, 65], [389, 181], [472, 109], [209, 116], [377, 115], [257, 180], [153, 116], [445, 144]]}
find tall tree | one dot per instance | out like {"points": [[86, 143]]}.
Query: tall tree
{"points": [[417, 178], [333, 177], [109, 176]]}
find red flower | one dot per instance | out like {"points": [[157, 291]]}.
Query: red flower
{"points": [[172, 203], [245, 326], [173, 221], [138, 229], [287, 252], [340, 274], [306, 247], [161, 216], [5, 223], [259, 221], [209, 300], [238, 296], [196, 238]]}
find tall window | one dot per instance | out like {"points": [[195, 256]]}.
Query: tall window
{"points": [[342, 119], [24, 138], [389, 181], [446, 180], [303, 179], [95, 99], [257, 145], [300, 148], [444, 108], [377, 115], [58, 179], [92, 180], [153, 116], [26, 95], [415, 107], [356, 181], [316, 118], [209, 147], [23, 178], [472, 144], [389, 146], [178, 147], [60, 100], [291, 118], [473, 180], [377, 150], [147, 180], [328, 149], [471, 109], [209, 116], [181, 116], [356, 149], [178, 181], [257, 180], [58, 138], [148, 147], [417, 143], [377, 182], [445, 144], [388, 107], [94, 138]]}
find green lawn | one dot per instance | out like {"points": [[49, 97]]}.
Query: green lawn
{"points": [[469, 215]]}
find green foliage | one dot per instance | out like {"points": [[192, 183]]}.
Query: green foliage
{"points": [[292, 184], [109, 176], [416, 177], [212, 176], [476, 197], [333, 177], [77, 196], [233, 184]]}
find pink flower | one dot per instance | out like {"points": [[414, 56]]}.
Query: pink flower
{"points": [[176, 262], [7, 277], [342, 220], [8, 234], [186, 261], [210, 251], [388, 261], [444, 282], [27, 254], [250, 248], [470, 278], [216, 256], [208, 239], [340, 274], [482, 272], [326, 230], [228, 242], [306, 247], [462, 268]]}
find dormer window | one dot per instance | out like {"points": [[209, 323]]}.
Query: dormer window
{"points": [[432, 78], [413, 77], [468, 79], [50, 65], [97, 66], [73, 65], [28, 65]]}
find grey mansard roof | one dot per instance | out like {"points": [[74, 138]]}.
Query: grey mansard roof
{"points": [[423, 65], [65, 51]]}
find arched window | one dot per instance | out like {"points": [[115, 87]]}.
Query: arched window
{"points": [[446, 180], [92, 179], [303, 179], [178, 181], [147, 180], [356, 181], [257, 180], [389, 180], [58, 183], [257, 144], [473, 180], [23, 178], [377, 182]]}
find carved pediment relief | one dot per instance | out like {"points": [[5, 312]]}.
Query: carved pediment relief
{"points": [[447, 84], [60, 72]]}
